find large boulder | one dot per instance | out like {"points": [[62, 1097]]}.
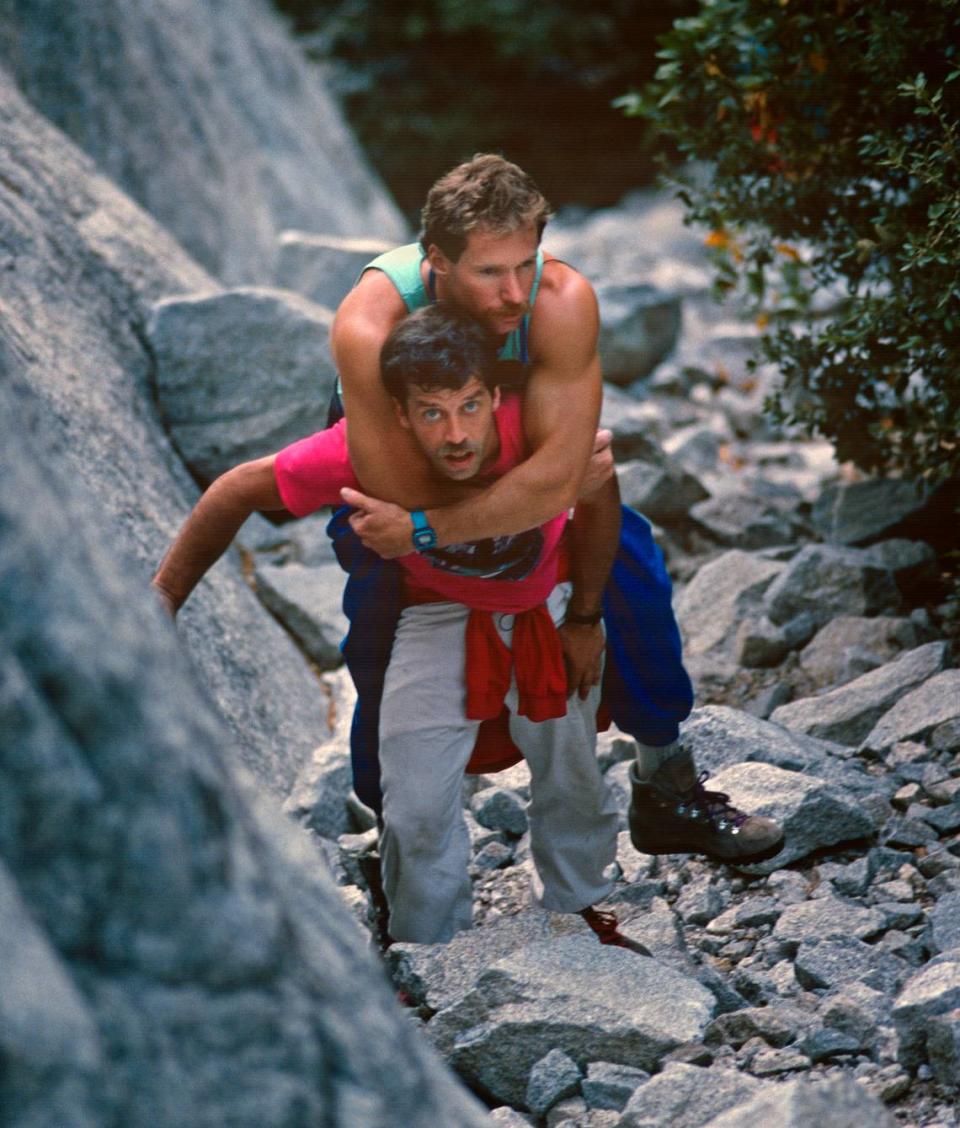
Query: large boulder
{"points": [[638, 328], [86, 264], [240, 374], [208, 115], [323, 267], [846, 714], [595, 1003], [718, 598], [173, 951]]}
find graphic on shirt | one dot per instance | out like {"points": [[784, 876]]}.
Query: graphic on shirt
{"points": [[496, 558]]}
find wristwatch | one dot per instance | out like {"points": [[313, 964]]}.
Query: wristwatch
{"points": [[424, 536]]}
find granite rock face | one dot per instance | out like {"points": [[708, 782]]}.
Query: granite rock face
{"points": [[162, 922], [207, 115], [87, 265]]}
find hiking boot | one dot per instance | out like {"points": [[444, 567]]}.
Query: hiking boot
{"points": [[672, 813], [604, 924]]}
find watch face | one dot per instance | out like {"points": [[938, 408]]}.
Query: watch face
{"points": [[424, 538]]}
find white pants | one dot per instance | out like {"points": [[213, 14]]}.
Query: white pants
{"points": [[425, 744]]}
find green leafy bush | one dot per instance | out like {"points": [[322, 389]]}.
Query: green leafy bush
{"points": [[833, 131]]}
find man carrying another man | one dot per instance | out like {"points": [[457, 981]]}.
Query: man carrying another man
{"points": [[474, 634], [480, 254]]}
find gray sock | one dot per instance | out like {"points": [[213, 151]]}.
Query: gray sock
{"points": [[651, 756]]}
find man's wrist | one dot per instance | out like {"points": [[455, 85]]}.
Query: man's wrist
{"points": [[423, 535], [583, 618]]}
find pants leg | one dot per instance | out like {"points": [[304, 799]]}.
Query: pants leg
{"points": [[573, 816], [425, 744]]}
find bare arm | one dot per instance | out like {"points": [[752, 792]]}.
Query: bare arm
{"points": [[384, 456], [561, 408], [595, 533], [210, 528]]}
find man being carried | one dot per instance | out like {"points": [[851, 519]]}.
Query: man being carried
{"points": [[480, 253], [466, 643]]}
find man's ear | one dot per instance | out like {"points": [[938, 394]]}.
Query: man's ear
{"points": [[437, 259], [401, 413], [495, 396]]}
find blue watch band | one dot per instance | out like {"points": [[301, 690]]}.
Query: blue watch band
{"points": [[424, 536]]}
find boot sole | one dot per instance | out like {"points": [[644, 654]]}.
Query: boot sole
{"points": [[740, 859]]}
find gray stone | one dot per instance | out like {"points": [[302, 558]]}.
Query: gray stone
{"points": [[636, 426], [685, 1096], [828, 1042], [837, 1102], [608, 1085], [309, 541], [700, 901], [861, 512], [592, 1002], [499, 808], [946, 737], [770, 697], [179, 955], [638, 328], [508, 1117], [697, 449], [307, 600], [918, 713], [848, 713], [825, 659], [440, 975], [317, 798], [857, 1010], [933, 991], [719, 737], [552, 1078], [943, 1048], [662, 492], [851, 879], [945, 923], [324, 268], [825, 918], [744, 521], [760, 643], [492, 856], [812, 812], [654, 925], [89, 264], [210, 117], [770, 1063], [215, 354], [828, 581], [777, 1025], [834, 963], [719, 596]]}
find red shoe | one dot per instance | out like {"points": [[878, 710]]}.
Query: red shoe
{"points": [[604, 924]]}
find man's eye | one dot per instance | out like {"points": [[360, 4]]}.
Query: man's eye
{"points": [[431, 415], [471, 406]]}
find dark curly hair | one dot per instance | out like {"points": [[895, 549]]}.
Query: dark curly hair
{"points": [[436, 347]]}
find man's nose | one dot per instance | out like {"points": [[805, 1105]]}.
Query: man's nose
{"points": [[455, 431], [511, 290]]}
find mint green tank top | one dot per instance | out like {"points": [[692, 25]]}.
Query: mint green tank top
{"points": [[402, 267]]}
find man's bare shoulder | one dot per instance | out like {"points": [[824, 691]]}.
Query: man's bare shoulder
{"points": [[565, 303], [368, 312]]}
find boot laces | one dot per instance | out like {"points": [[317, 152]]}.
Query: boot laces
{"points": [[714, 807]]}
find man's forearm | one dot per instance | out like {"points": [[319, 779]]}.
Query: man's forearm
{"points": [[529, 495], [209, 530], [595, 534]]}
